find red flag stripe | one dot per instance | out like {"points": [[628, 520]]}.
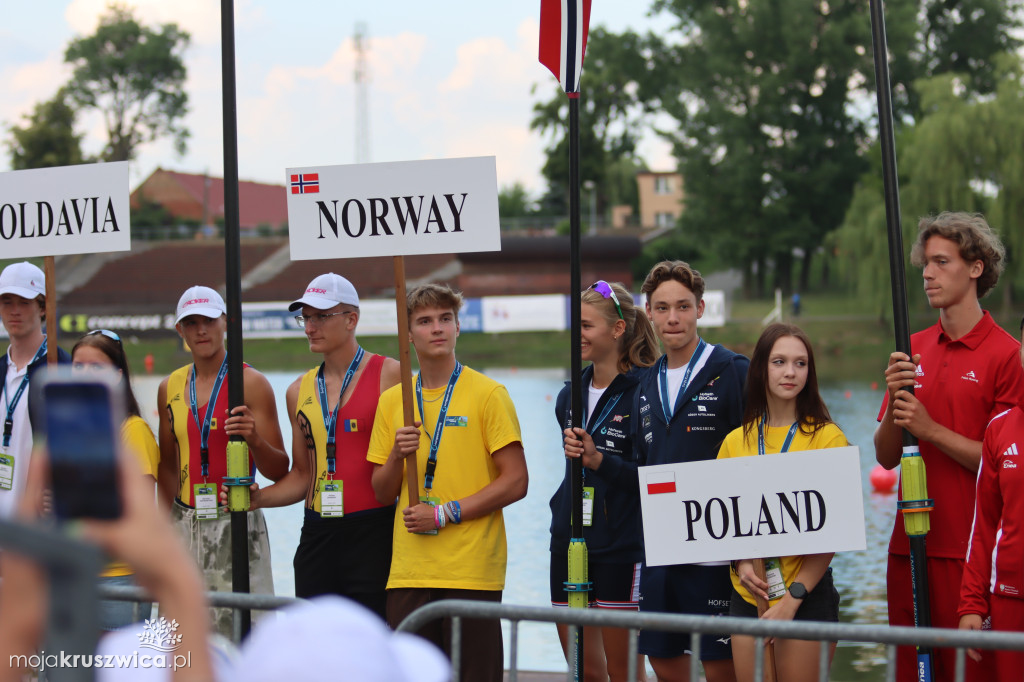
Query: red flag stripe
{"points": [[564, 25], [659, 488]]}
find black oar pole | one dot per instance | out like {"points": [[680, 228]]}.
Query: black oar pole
{"points": [[915, 503], [237, 450], [578, 547]]}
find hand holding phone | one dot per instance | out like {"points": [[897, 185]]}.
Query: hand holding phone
{"points": [[82, 417]]}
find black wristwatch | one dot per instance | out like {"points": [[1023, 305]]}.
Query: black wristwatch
{"points": [[798, 591]]}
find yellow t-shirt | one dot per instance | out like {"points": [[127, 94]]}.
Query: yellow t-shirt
{"points": [[734, 445], [481, 420], [138, 438]]}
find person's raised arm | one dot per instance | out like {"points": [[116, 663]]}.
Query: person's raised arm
{"points": [[294, 485], [168, 466], [508, 486], [257, 423]]}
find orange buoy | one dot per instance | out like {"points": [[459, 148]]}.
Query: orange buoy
{"points": [[848, 394], [883, 480], [874, 385], [148, 361]]}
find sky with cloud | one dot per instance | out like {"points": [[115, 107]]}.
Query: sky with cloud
{"points": [[447, 79]]}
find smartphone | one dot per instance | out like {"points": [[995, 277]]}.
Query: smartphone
{"points": [[82, 417]]}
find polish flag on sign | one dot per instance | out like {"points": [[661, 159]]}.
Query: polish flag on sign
{"points": [[306, 183], [563, 39], [661, 482]]}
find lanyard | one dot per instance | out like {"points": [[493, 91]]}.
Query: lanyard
{"points": [[663, 372], [12, 403], [435, 440], [331, 419], [204, 428], [785, 445], [604, 413]]}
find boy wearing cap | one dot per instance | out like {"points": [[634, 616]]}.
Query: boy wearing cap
{"points": [[23, 312], [450, 544], [194, 431], [345, 546]]}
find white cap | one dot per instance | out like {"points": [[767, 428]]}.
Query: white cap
{"points": [[331, 637], [327, 291], [23, 279], [200, 301], [125, 643]]}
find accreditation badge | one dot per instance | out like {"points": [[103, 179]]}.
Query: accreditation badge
{"points": [[6, 472], [588, 506], [331, 498], [433, 502], [773, 576], [205, 496]]}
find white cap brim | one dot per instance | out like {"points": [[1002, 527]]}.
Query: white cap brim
{"points": [[25, 293], [318, 302], [210, 312]]}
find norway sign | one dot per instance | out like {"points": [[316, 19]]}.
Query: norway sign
{"points": [[64, 210], [785, 504], [393, 209]]}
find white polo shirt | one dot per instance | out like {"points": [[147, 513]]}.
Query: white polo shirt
{"points": [[21, 436]]}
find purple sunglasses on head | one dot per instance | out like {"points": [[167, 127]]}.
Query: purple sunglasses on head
{"points": [[602, 287]]}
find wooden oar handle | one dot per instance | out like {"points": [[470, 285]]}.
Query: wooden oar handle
{"points": [[402, 313]]}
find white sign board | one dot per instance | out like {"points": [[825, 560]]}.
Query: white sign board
{"points": [[65, 210], [545, 312], [393, 209], [783, 504]]}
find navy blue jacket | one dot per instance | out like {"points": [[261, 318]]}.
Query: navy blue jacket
{"points": [[711, 407], [62, 358], [616, 534]]}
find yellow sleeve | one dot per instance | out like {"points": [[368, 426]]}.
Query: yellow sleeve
{"points": [[831, 437], [138, 438], [501, 424], [382, 439]]}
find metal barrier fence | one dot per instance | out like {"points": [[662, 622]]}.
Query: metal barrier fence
{"points": [[698, 625]]}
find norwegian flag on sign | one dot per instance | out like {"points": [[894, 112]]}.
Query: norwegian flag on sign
{"points": [[306, 183], [563, 39]]}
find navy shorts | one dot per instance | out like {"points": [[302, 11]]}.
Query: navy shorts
{"points": [[821, 603], [614, 585], [688, 589]]}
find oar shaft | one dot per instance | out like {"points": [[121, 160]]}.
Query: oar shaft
{"points": [[233, 289]]}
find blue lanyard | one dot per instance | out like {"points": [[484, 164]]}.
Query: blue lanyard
{"points": [[435, 440], [331, 419], [663, 372], [204, 428], [785, 445], [12, 403]]}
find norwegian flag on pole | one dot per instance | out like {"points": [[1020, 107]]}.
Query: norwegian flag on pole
{"points": [[563, 39]]}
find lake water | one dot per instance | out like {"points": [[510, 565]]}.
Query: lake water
{"points": [[860, 576]]}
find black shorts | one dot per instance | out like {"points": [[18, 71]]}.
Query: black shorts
{"points": [[821, 603], [614, 585], [689, 589], [348, 556]]}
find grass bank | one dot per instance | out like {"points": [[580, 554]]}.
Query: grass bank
{"points": [[849, 344]]}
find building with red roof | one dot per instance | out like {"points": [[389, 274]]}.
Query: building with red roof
{"points": [[200, 197]]}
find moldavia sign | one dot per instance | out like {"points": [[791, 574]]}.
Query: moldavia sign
{"points": [[393, 209], [784, 504], [64, 210]]}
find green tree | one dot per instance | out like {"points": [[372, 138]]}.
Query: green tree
{"points": [[767, 141], [47, 137], [515, 202], [964, 155], [135, 76], [611, 120]]}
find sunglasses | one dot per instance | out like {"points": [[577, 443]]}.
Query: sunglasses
{"points": [[107, 333], [602, 287]]}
